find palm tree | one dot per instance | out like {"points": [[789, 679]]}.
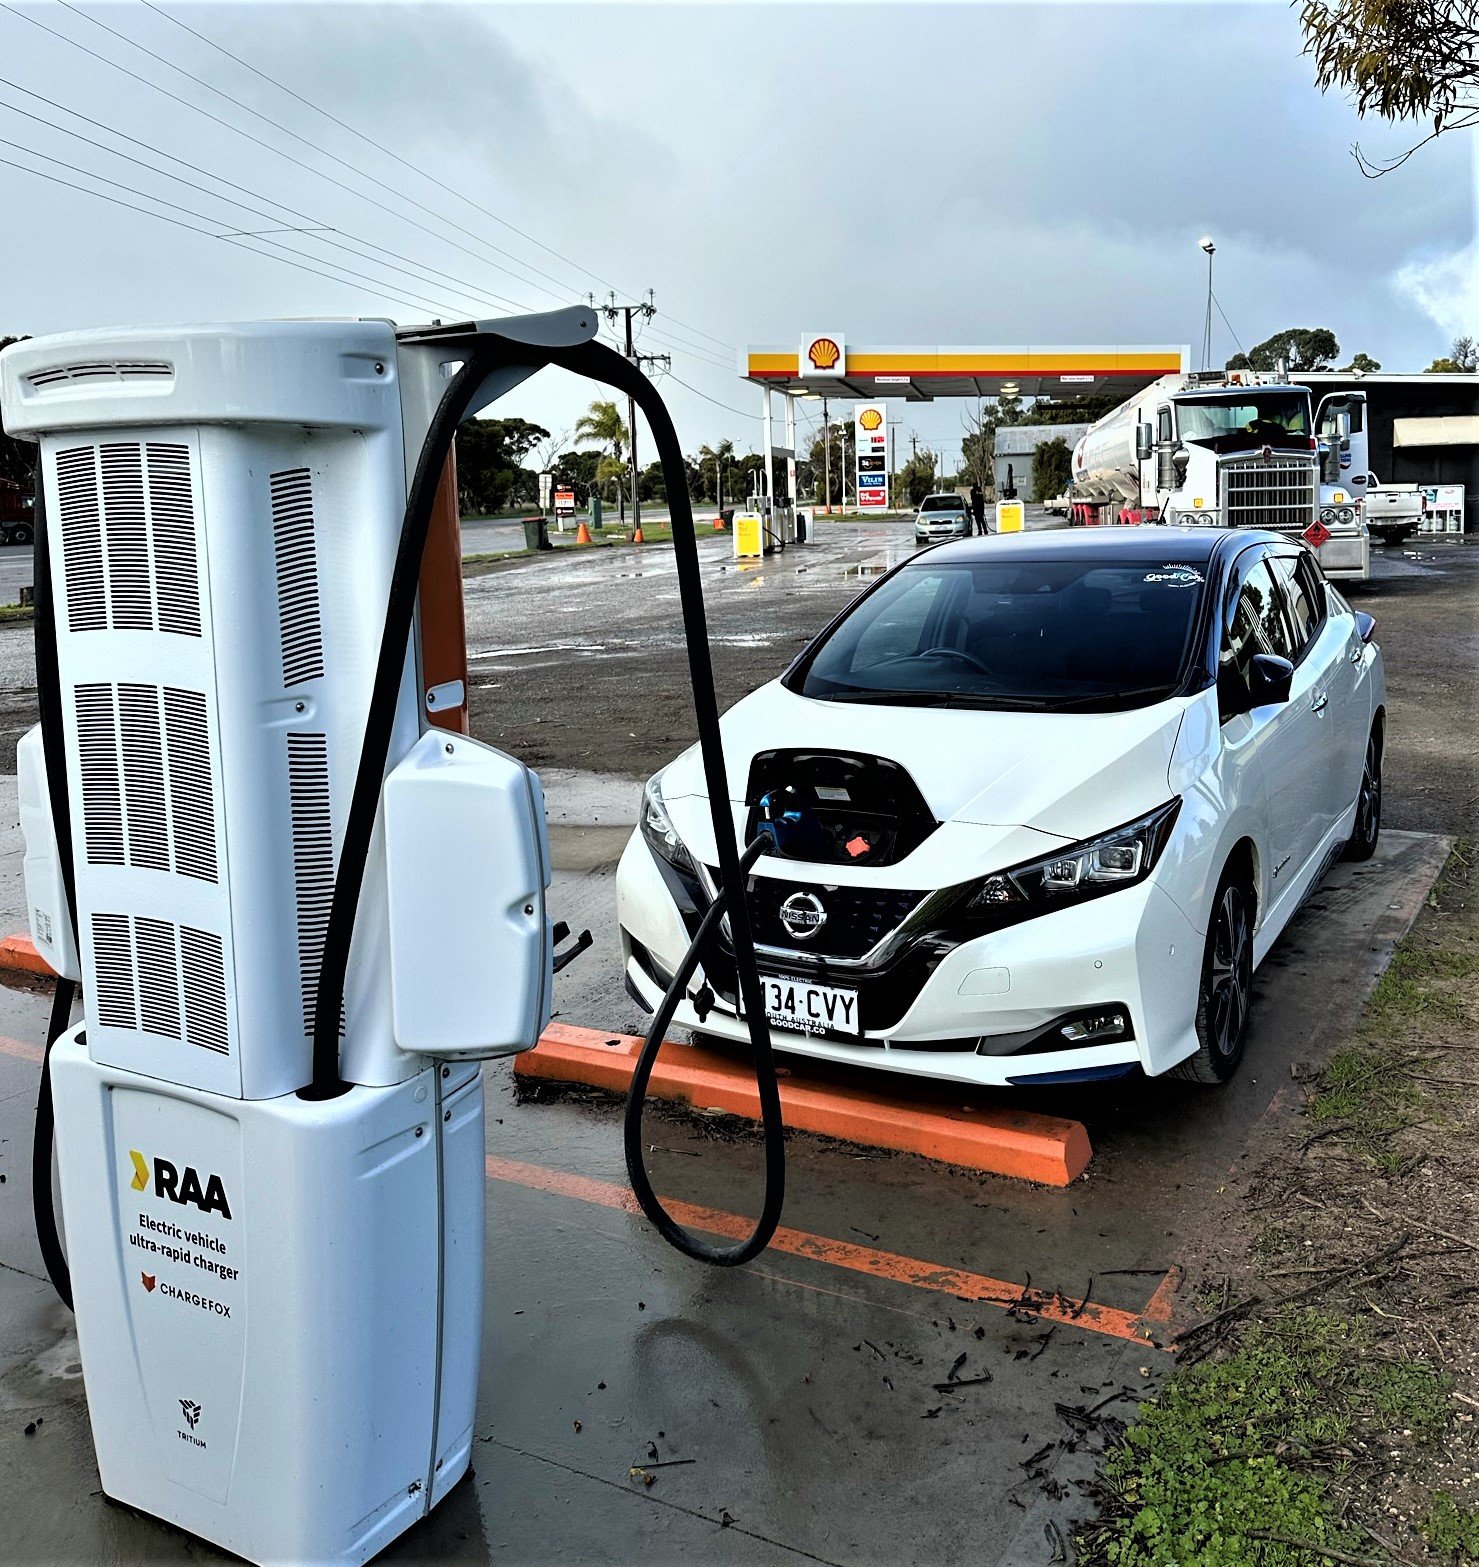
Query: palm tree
{"points": [[602, 425], [721, 456]]}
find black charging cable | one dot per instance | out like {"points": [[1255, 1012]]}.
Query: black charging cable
{"points": [[485, 353], [54, 752]]}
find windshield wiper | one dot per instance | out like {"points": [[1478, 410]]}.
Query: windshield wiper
{"points": [[964, 699], [1113, 698]]}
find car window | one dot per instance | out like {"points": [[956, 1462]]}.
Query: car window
{"points": [[1305, 608], [1258, 626], [942, 503], [1010, 632], [900, 628]]}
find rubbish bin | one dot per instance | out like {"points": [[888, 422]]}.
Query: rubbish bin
{"points": [[595, 513], [536, 533], [801, 525]]}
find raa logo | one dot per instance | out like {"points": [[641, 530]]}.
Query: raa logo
{"points": [[824, 353], [870, 418], [180, 1186], [148, 1280]]}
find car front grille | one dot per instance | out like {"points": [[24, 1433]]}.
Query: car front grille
{"points": [[857, 918], [1277, 492]]}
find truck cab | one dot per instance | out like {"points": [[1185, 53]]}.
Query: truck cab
{"points": [[1233, 449], [17, 514]]}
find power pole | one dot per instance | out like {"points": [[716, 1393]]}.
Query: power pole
{"points": [[647, 309]]}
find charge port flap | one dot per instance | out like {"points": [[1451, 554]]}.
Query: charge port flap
{"points": [[470, 950]]}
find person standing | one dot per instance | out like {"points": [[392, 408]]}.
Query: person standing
{"points": [[978, 506]]}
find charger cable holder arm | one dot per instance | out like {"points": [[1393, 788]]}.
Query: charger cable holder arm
{"points": [[494, 354]]}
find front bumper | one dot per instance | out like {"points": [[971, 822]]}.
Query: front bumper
{"points": [[952, 1017], [1346, 555]]}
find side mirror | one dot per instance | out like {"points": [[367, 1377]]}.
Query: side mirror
{"points": [[1343, 424], [1269, 679], [1365, 625], [1144, 442]]}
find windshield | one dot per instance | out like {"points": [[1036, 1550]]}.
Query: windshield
{"points": [[1013, 633], [1270, 418], [942, 503]]}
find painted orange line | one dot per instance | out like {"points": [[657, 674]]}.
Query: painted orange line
{"points": [[997, 1137], [21, 1050], [1158, 1307], [887, 1265], [18, 955]]}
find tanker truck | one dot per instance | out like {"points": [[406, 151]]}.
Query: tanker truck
{"points": [[1231, 449]]}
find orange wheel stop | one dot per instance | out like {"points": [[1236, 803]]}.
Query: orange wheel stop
{"points": [[1048, 1149], [19, 957]]}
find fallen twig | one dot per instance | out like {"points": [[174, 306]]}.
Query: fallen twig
{"points": [[1314, 1548], [1243, 1307]]}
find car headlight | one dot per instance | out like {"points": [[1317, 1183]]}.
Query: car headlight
{"points": [[1327, 515], [657, 828], [1346, 514], [1082, 871]]}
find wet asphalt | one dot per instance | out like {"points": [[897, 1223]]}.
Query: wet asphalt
{"points": [[824, 1404]]}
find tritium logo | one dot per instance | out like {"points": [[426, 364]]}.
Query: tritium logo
{"points": [[180, 1186], [191, 1411]]}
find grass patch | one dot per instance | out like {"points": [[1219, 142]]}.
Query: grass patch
{"points": [[1452, 1530], [1242, 1449], [18, 613]]}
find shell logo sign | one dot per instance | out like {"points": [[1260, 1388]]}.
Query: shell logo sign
{"points": [[823, 354], [871, 418]]}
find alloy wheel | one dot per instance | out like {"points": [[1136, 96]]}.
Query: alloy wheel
{"points": [[1231, 971], [1368, 805]]}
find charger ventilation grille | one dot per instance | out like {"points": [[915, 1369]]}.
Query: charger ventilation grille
{"points": [[299, 615], [313, 858], [129, 555], [148, 799], [103, 370], [155, 977]]}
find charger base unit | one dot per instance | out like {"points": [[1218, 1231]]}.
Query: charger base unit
{"points": [[279, 1302]]}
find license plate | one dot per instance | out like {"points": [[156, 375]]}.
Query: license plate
{"points": [[808, 1008]]}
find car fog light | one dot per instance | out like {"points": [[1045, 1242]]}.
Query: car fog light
{"points": [[1103, 1025]]}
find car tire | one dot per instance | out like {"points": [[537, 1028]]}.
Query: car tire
{"points": [[20, 535], [1225, 993], [1367, 827]]}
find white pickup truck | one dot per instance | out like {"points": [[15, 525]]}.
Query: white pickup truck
{"points": [[1392, 511]]}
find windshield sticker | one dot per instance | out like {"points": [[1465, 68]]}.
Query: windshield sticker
{"points": [[1177, 576]]}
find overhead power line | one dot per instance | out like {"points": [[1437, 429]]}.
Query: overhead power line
{"points": [[238, 241], [315, 230], [725, 406], [321, 232], [237, 130], [405, 163]]}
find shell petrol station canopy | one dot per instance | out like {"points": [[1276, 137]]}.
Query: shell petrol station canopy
{"points": [[825, 365]]}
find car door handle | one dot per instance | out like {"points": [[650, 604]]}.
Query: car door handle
{"points": [[1357, 652], [1319, 703]]}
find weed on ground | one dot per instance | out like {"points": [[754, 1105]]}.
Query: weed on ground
{"points": [[1324, 1407]]}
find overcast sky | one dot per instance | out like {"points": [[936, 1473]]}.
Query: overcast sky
{"points": [[967, 174]]}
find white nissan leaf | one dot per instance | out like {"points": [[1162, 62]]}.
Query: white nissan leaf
{"points": [[1035, 808]]}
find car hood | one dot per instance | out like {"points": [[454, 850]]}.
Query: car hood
{"points": [[1069, 775]]}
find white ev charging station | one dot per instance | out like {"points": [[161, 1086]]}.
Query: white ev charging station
{"points": [[299, 915]]}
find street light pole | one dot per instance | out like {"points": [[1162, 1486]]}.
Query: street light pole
{"points": [[1210, 248]]}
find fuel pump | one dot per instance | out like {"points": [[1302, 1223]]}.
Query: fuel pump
{"points": [[299, 913]]}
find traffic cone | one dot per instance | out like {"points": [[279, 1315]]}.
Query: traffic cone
{"points": [[582, 533], [637, 535]]}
